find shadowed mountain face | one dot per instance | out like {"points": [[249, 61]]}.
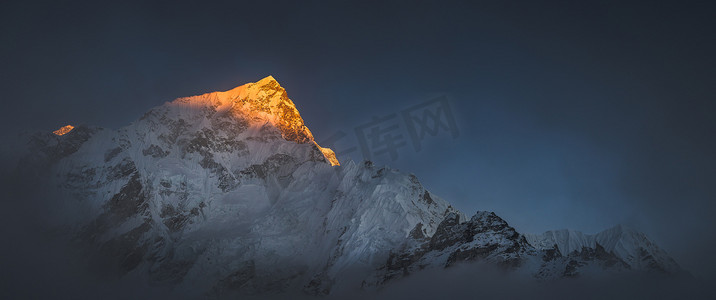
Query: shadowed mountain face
{"points": [[488, 238], [228, 193]]}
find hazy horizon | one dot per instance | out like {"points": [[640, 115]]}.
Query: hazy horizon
{"points": [[570, 115]]}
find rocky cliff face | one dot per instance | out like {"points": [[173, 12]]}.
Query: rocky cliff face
{"points": [[488, 238], [228, 192]]}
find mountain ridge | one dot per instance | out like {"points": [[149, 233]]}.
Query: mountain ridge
{"points": [[264, 100], [228, 192]]}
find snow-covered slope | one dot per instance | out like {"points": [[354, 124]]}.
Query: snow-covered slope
{"points": [[633, 247], [488, 238], [229, 192]]}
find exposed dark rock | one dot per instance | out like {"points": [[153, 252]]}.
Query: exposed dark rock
{"points": [[175, 218], [320, 285], [551, 254], [112, 153], [484, 237], [80, 178], [379, 173], [125, 168], [130, 201], [414, 179], [277, 164], [571, 268], [155, 151], [470, 254], [445, 233], [418, 232], [165, 183], [427, 198], [230, 125], [176, 129]]}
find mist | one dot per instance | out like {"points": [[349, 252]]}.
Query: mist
{"points": [[570, 115]]}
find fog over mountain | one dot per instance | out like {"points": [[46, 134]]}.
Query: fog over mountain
{"points": [[576, 123], [227, 194]]}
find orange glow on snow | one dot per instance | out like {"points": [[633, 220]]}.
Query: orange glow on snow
{"points": [[264, 100], [64, 130], [330, 156]]}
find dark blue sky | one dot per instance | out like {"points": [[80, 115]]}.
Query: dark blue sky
{"points": [[571, 115]]}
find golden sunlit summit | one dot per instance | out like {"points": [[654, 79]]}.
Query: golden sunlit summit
{"points": [[266, 101], [63, 130]]}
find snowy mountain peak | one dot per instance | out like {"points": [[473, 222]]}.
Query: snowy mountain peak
{"points": [[629, 245], [63, 130], [227, 193], [260, 103]]}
